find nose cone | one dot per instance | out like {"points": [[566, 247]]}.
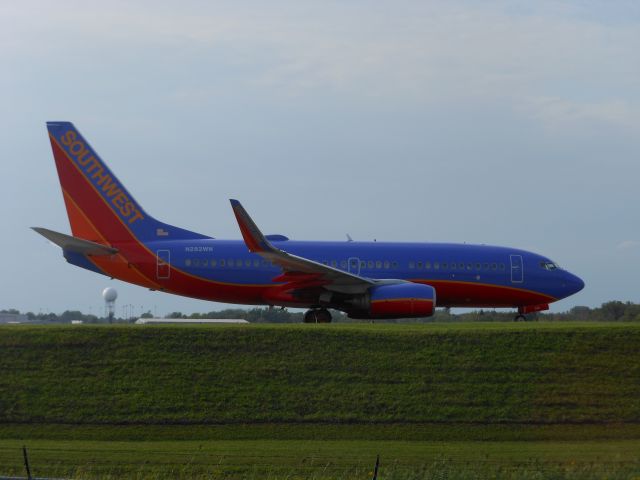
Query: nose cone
{"points": [[573, 284]]}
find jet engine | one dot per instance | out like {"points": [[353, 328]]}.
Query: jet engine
{"points": [[401, 300]]}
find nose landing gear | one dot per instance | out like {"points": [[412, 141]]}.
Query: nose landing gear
{"points": [[317, 315], [525, 309]]}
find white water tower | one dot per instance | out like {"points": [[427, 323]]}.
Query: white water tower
{"points": [[109, 294]]}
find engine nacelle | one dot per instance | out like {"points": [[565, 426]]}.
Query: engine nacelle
{"points": [[403, 300]]}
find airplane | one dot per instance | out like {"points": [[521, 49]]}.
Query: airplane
{"points": [[114, 236]]}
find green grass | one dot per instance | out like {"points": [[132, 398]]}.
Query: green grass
{"points": [[366, 374], [534, 400], [323, 431], [325, 459]]}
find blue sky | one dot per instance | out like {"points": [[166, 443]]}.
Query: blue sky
{"points": [[509, 123]]}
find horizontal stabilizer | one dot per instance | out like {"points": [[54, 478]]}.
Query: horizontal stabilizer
{"points": [[74, 244]]}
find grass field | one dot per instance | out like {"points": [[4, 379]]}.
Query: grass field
{"points": [[310, 401], [280, 459]]}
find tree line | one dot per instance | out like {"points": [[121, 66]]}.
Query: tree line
{"points": [[613, 311]]}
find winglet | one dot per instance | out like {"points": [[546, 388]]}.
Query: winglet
{"points": [[253, 237]]}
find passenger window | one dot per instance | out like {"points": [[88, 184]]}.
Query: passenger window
{"points": [[205, 263], [256, 263], [378, 264], [386, 264], [494, 266], [370, 264], [196, 262], [394, 264], [343, 264], [444, 265], [419, 265], [247, 263], [230, 262], [469, 266], [453, 266], [187, 262], [334, 264], [412, 265], [486, 266], [478, 266], [461, 266], [436, 266], [427, 265], [502, 266], [222, 263], [213, 262], [363, 264]]}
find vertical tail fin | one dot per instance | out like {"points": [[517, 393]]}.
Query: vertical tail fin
{"points": [[99, 207]]}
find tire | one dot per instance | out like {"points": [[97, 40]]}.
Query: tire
{"points": [[317, 315]]}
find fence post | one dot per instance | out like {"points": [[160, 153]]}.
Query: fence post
{"points": [[26, 461], [375, 470]]}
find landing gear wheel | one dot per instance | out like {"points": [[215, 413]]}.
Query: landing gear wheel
{"points": [[317, 315], [520, 317]]}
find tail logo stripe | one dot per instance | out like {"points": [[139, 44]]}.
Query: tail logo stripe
{"points": [[94, 171]]}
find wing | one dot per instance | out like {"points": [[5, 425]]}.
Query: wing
{"points": [[299, 271]]}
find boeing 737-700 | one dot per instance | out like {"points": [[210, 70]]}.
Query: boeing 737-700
{"points": [[114, 236]]}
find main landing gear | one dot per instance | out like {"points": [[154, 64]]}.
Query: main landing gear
{"points": [[317, 315], [520, 317]]}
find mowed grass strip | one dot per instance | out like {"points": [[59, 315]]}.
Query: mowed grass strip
{"points": [[487, 374], [324, 459]]}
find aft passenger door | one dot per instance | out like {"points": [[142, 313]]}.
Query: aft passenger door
{"points": [[163, 264], [517, 269]]}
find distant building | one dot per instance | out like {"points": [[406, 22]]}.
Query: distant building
{"points": [[187, 321], [13, 318]]}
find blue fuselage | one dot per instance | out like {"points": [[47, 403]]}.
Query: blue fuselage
{"points": [[463, 275]]}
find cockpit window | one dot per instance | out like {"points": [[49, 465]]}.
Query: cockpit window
{"points": [[547, 265]]}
